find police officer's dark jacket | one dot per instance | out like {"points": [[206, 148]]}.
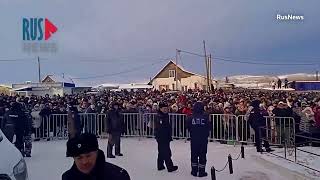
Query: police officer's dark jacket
{"points": [[256, 118], [16, 116], [163, 128], [198, 123], [115, 121], [102, 171]]}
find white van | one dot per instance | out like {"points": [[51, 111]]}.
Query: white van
{"points": [[12, 164]]}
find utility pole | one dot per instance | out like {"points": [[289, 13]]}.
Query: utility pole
{"points": [[206, 63], [39, 70], [176, 74], [210, 72]]}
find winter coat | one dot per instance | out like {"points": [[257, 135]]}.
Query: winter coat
{"points": [[306, 119], [8, 125], [74, 123], [19, 120], [187, 111], [198, 124], [256, 119], [317, 119], [37, 120], [45, 112], [282, 112], [115, 123], [163, 128], [102, 171], [28, 123]]}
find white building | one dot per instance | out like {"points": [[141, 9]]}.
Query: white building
{"points": [[119, 87], [51, 85], [167, 79]]}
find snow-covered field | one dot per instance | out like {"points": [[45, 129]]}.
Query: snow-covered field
{"points": [[48, 161], [302, 158]]}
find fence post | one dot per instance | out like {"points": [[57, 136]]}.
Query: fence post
{"points": [[213, 173], [230, 164], [242, 151], [237, 128]]}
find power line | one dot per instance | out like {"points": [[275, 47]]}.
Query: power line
{"points": [[250, 62], [267, 64], [105, 60], [122, 72], [17, 60]]}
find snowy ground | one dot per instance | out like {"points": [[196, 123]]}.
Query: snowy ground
{"points": [[302, 158], [48, 161]]}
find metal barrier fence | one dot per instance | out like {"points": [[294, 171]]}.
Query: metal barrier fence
{"points": [[224, 127], [279, 130]]}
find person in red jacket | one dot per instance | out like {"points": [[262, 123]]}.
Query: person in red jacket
{"points": [[187, 110]]}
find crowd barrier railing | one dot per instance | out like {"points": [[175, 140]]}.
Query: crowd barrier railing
{"points": [[224, 127], [279, 130]]}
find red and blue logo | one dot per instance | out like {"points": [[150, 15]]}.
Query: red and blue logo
{"points": [[37, 29]]}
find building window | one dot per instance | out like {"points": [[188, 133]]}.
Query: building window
{"points": [[173, 87], [195, 85], [172, 73], [163, 87], [184, 88]]}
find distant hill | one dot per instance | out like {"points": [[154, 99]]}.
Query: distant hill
{"points": [[264, 80]]}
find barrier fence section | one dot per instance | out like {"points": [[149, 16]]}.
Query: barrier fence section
{"points": [[228, 128], [279, 131]]}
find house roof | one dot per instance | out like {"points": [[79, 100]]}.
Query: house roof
{"points": [[56, 78], [180, 67]]}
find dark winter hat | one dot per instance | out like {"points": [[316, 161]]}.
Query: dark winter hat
{"points": [[82, 144], [162, 104], [255, 103]]}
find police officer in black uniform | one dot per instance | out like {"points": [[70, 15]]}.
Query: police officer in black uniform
{"points": [[256, 121], [89, 161], [16, 116], [163, 134], [199, 127], [115, 126]]}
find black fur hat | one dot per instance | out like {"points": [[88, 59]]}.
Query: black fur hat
{"points": [[82, 144]]}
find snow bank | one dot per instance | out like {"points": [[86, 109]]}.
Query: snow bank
{"points": [[49, 161]]}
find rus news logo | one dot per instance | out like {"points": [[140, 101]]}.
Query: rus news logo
{"points": [[37, 29]]}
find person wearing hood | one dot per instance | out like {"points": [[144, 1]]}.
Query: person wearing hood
{"points": [[163, 135], [256, 121], [89, 161], [199, 126]]}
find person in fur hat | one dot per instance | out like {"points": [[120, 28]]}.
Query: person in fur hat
{"points": [[89, 161]]}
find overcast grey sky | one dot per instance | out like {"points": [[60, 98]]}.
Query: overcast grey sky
{"points": [[107, 37]]}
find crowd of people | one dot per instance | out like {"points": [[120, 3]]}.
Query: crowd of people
{"points": [[303, 107], [19, 116]]}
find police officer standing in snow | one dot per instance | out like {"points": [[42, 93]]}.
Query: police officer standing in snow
{"points": [[115, 126], [256, 121], [163, 134], [16, 117], [199, 127]]}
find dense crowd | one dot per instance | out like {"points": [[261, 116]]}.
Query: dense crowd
{"points": [[304, 107]]}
